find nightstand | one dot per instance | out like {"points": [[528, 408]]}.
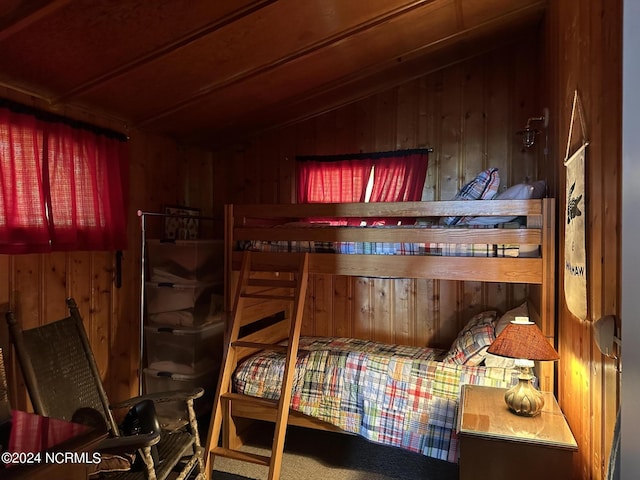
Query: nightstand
{"points": [[496, 444]]}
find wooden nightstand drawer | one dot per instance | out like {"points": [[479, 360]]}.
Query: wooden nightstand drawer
{"points": [[496, 444]]}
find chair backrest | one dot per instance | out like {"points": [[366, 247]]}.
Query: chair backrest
{"points": [[59, 368], [5, 406]]}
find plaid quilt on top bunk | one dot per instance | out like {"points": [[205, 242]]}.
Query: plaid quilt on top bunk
{"points": [[386, 248], [395, 248], [389, 394]]}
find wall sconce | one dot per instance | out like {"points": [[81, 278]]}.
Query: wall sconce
{"points": [[529, 132], [607, 339]]}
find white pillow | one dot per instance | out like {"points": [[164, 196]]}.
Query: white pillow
{"points": [[521, 191], [491, 360], [500, 324], [508, 317]]}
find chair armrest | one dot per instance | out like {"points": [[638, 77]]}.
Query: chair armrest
{"points": [[128, 444], [159, 397]]}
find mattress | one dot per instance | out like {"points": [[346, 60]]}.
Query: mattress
{"points": [[390, 394], [393, 248]]}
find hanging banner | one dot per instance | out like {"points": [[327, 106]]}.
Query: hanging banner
{"points": [[575, 251]]}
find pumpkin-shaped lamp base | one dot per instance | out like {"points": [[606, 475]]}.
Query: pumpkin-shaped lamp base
{"points": [[523, 398]]}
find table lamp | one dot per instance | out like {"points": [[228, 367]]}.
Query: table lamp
{"points": [[524, 341]]}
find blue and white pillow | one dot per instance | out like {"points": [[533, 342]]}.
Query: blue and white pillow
{"points": [[483, 187]]}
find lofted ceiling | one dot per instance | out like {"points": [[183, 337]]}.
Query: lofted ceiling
{"points": [[206, 72]]}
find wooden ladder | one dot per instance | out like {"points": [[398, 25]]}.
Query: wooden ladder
{"points": [[268, 284]]}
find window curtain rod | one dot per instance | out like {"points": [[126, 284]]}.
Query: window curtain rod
{"points": [[361, 156], [177, 215], [55, 118]]}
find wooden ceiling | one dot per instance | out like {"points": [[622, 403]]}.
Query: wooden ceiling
{"points": [[206, 72]]}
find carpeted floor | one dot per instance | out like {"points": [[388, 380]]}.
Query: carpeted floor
{"points": [[317, 455], [228, 476]]}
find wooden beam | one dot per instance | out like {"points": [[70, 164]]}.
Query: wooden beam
{"points": [[32, 18], [389, 209], [177, 44], [291, 57], [480, 269], [411, 63]]}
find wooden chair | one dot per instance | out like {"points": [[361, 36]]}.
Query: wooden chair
{"points": [[62, 379], [5, 407]]}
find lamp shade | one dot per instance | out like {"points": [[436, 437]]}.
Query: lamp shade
{"points": [[523, 339]]}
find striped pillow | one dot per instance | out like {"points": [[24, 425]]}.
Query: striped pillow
{"points": [[483, 187], [472, 343]]}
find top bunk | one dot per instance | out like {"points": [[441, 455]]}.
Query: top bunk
{"points": [[497, 240]]}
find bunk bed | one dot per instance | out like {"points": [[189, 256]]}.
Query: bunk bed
{"points": [[390, 240]]}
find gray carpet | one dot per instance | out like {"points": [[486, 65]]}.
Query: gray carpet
{"points": [[317, 455], [228, 476]]}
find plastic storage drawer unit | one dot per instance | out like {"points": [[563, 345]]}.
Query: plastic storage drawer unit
{"points": [[188, 259], [184, 350], [170, 297], [192, 317]]}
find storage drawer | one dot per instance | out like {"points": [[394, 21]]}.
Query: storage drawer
{"points": [[184, 350], [170, 297], [185, 318], [200, 260], [175, 414]]}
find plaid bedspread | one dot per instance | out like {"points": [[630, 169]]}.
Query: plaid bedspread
{"points": [[389, 394], [388, 248], [394, 248]]}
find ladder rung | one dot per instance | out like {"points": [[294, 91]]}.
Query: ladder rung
{"points": [[264, 282], [263, 346], [242, 456], [279, 292], [269, 297], [238, 397]]}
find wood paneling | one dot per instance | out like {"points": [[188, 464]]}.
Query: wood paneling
{"points": [[203, 71], [469, 113], [35, 286], [584, 52]]}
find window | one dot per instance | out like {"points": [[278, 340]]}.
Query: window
{"points": [[368, 177], [63, 184]]}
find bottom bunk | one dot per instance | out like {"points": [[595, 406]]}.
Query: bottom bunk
{"points": [[389, 394]]}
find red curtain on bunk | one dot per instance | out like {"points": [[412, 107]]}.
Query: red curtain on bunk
{"points": [[338, 181], [397, 176], [333, 181], [399, 179], [63, 187]]}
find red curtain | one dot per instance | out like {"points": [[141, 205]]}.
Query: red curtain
{"points": [[398, 176], [333, 181], [23, 216], [399, 179], [63, 187]]}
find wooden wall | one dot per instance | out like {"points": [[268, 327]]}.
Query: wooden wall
{"points": [[35, 286], [469, 113], [584, 52]]}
